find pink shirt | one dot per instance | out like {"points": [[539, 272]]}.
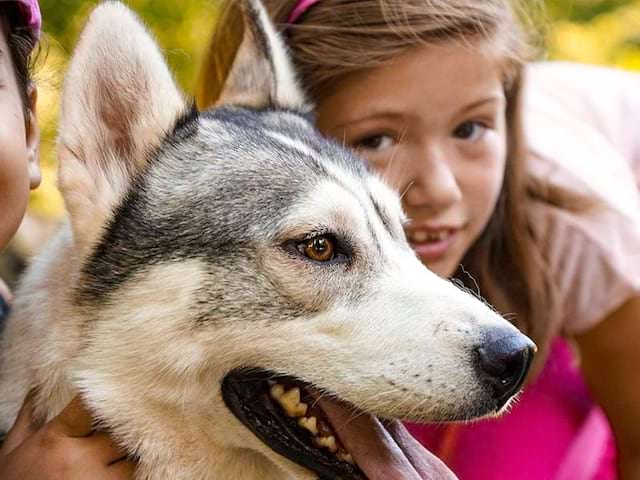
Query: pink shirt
{"points": [[583, 130], [553, 432]]}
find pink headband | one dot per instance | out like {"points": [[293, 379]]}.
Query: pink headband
{"points": [[31, 16], [300, 9]]}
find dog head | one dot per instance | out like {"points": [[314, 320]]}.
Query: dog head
{"points": [[233, 266]]}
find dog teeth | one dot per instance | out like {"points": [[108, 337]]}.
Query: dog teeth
{"points": [[309, 423], [345, 457], [328, 442], [289, 400], [277, 391]]}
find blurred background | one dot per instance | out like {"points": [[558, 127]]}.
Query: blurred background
{"points": [[592, 31]]}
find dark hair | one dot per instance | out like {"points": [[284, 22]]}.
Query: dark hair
{"points": [[21, 42]]}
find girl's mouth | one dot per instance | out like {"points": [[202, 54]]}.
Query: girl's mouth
{"points": [[431, 244]]}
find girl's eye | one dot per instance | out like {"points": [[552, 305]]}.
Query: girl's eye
{"points": [[320, 249], [469, 131], [376, 142]]}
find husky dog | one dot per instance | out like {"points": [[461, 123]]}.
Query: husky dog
{"points": [[229, 282]]}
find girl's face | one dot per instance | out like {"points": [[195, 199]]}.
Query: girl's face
{"points": [[19, 170], [432, 122]]}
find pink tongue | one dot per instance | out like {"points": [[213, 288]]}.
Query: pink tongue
{"points": [[382, 453]]}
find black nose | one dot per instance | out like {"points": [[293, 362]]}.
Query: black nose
{"points": [[504, 361]]}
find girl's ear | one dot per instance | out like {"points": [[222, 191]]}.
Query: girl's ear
{"points": [[247, 64], [33, 139]]}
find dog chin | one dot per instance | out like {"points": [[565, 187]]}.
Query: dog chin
{"points": [[475, 409]]}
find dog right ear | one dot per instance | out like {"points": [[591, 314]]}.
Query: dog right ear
{"points": [[119, 100], [247, 63]]}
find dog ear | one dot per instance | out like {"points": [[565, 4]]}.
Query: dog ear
{"points": [[118, 102], [247, 63]]}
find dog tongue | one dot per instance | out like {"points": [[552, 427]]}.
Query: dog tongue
{"points": [[388, 453]]}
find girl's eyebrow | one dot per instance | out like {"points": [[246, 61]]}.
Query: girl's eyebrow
{"points": [[376, 115], [492, 99], [390, 114]]}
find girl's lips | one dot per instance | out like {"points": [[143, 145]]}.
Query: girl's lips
{"points": [[433, 250]]}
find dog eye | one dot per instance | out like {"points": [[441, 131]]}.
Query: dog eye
{"points": [[320, 248]]}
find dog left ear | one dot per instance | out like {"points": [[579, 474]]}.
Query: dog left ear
{"points": [[118, 103], [247, 63]]}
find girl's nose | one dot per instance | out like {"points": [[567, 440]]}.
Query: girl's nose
{"points": [[432, 184]]}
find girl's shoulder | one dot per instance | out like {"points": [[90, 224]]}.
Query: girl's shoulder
{"points": [[594, 259], [582, 125], [598, 97]]}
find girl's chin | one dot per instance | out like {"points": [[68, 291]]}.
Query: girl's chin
{"points": [[445, 266], [445, 263]]}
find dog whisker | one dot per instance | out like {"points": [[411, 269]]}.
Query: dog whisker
{"points": [[387, 170], [406, 190]]}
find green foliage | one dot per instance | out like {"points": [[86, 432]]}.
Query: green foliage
{"points": [[182, 29], [602, 32], [583, 11]]}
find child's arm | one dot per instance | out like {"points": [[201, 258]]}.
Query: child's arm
{"points": [[611, 364], [66, 447]]}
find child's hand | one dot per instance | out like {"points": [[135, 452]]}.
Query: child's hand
{"points": [[65, 448], [5, 293]]}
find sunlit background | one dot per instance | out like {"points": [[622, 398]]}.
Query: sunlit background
{"points": [[591, 31]]}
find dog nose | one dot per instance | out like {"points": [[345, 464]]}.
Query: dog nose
{"points": [[504, 360]]}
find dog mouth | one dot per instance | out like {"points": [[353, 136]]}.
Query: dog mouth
{"points": [[284, 413], [324, 434]]}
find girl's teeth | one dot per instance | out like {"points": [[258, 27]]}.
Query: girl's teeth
{"points": [[419, 237], [422, 236]]}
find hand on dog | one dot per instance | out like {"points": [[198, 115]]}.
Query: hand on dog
{"points": [[66, 447], [5, 293]]}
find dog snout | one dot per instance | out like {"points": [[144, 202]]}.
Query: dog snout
{"points": [[504, 360]]}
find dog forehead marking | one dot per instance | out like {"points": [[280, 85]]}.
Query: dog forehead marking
{"points": [[388, 205], [375, 199], [276, 119], [349, 209], [291, 142], [323, 201]]}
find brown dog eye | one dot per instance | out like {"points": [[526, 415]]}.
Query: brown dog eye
{"points": [[320, 249]]}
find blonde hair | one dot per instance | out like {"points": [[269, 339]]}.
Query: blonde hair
{"points": [[336, 38]]}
